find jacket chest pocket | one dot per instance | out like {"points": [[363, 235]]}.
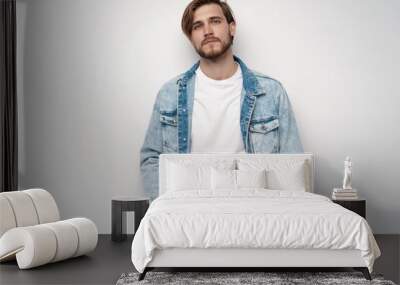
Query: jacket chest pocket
{"points": [[169, 130], [264, 135]]}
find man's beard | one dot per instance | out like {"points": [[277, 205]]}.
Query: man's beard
{"points": [[212, 54]]}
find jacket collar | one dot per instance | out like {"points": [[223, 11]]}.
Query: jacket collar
{"points": [[250, 82]]}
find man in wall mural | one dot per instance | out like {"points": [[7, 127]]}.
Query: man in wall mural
{"points": [[219, 104]]}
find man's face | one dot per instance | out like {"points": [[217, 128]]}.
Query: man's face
{"points": [[211, 33]]}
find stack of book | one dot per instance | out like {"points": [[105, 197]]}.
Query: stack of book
{"points": [[344, 194]]}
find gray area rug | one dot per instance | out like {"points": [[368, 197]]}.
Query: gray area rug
{"points": [[273, 278]]}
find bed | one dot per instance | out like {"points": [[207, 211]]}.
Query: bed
{"points": [[247, 210]]}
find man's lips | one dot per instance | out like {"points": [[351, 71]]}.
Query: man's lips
{"points": [[210, 41]]}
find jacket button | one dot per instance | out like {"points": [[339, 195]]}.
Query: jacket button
{"points": [[184, 139]]}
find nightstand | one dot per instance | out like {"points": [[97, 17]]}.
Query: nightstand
{"points": [[358, 206], [119, 207]]}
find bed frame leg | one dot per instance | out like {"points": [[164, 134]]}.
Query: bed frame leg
{"points": [[364, 271], [143, 274]]}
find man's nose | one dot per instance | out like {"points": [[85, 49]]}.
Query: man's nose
{"points": [[208, 30]]}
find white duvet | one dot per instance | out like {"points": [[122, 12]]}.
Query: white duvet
{"points": [[251, 218]]}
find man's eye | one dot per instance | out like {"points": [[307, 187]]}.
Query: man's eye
{"points": [[216, 21], [195, 27]]}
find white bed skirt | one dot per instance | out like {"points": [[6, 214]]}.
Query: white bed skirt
{"points": [[235, 257]]}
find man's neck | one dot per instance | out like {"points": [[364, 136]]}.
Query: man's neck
{"points": [[220, 68]]}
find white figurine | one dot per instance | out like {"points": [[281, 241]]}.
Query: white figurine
{"points": [[347, 173]]}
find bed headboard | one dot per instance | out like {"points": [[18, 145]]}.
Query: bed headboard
{"points": [[166, 158]]}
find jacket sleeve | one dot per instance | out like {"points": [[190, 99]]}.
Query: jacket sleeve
{"points": [[289, 139], [150, 151]]}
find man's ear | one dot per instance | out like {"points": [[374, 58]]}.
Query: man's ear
{"points": [[232, 29]]}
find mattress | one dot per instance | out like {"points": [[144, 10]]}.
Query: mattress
{"points": [[251, 219]]}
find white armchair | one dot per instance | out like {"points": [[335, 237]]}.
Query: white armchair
{"points": [[31, 230]]}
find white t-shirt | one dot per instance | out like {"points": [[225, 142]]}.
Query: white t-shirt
{"points": [[216, 114]]}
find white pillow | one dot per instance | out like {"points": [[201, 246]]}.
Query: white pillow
{"points": [[223, 179], [285, 174], [227, 179], [251, 178], [187, 177], [291, 178]]}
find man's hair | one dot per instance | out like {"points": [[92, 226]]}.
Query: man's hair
{"points": [[187, 18]]}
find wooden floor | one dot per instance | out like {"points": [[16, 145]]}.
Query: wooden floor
{"points": [[111, 259], [102, 266]]}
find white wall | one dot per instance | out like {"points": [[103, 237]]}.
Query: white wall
{"points": [[89, 71]]}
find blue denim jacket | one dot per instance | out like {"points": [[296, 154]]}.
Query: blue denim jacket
{"points": [[267, 122]]}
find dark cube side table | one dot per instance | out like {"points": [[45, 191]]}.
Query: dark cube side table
{"points": [[119, 207], [358, 206]]}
